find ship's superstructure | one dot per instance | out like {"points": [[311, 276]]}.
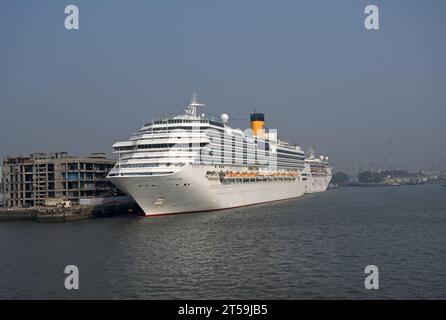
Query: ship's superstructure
{"points": [[191, 162], [317, 173]]}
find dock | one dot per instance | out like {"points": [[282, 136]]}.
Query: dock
{"points": [[97, 208]]}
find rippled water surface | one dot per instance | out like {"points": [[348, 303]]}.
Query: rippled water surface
{"points": [[313, 247]]}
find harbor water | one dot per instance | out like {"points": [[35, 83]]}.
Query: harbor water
{"points": [[312, 247]]}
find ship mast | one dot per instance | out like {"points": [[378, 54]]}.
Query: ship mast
{"points": [[193, 106], [390, 156]]}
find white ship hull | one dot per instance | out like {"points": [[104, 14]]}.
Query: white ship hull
{"points": [[189, 190], [318, 177], [317, 184]]}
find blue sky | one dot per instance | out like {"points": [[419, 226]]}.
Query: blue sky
{"points": [[319, 76]]}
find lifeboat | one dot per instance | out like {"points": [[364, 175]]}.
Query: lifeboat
{"points": [[212, 175]]}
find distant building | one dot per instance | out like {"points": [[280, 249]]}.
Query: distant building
{"points": [[406, 179], [29, 181]]}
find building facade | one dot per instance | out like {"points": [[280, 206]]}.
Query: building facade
{"points": [[29, 181], [406, 179]]}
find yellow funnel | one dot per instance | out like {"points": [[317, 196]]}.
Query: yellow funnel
{"points": [[257, 123]]}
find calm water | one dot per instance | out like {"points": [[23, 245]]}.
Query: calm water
{"points": [[313, 247]]}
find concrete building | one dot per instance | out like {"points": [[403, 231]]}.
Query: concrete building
{"points": [[29, 181]]}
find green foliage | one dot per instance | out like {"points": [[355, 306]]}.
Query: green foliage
{"points": [[339, 178], [377, 177], [371, 177]]}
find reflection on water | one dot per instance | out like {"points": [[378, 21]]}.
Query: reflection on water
{"points": [[313, 247]]}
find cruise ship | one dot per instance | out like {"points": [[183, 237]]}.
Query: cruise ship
{"points": [[192, 162], [317, 173]]}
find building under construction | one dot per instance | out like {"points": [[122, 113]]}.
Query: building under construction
{"points": [[30, 181]]}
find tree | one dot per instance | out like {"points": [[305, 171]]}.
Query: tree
{"points": [[339, 178], [371, 177]]}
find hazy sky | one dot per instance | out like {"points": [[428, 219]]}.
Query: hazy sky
{"points": [[319, 76]]}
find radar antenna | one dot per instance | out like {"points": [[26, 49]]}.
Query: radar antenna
{"points": [[193, 106], [311, 153]]}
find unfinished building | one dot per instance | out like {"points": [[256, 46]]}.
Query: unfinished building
{"points": [[29, 181]]}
